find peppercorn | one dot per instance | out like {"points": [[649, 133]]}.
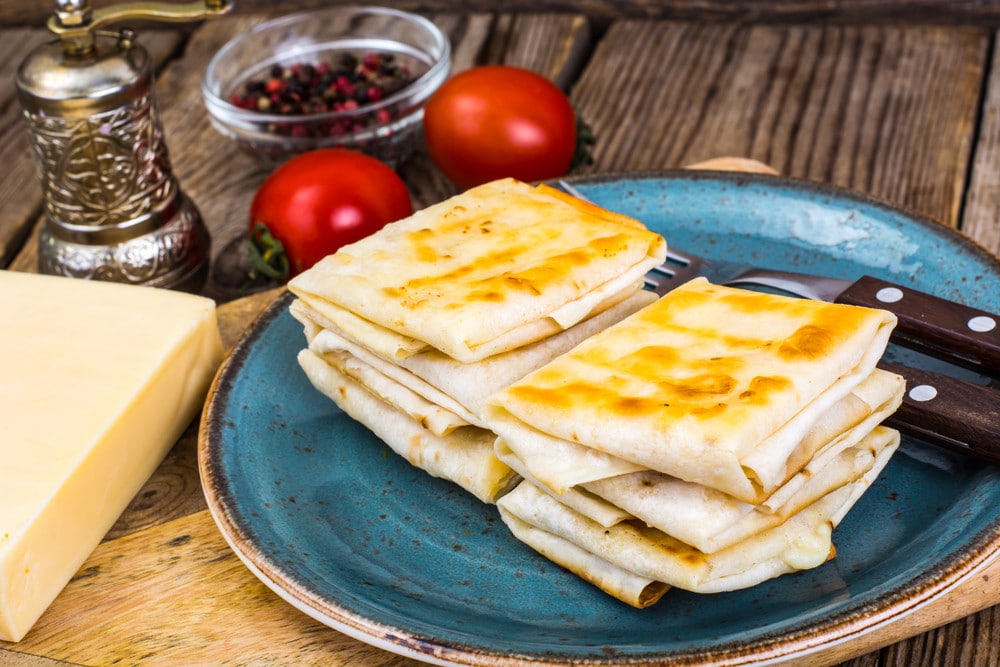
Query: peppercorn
{"points": [[345, 83]]}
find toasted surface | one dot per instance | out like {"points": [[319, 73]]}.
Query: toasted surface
{"points": [[493, 268], [693, 386], [463, 387]]}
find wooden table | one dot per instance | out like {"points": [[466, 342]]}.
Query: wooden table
{"points": [[907, 113]]}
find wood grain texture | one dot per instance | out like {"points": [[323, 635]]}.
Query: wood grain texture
{"points": [[976, 12], [982, 204], [20, 188], [216, 612], [885, 111]]}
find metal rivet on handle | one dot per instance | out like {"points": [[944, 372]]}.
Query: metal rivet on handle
{"points": [[889, 294], [982, 324], [923, 392]]}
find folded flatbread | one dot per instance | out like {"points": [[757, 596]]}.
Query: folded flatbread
{"points": [[711, 520], [801, 542], [461, 388], [713, 385], [462, 455], [494, 268], [627, 586]]}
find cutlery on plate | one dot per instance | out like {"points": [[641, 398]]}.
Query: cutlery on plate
{"points": [[960, 334], [963, 335], [945, 411]]}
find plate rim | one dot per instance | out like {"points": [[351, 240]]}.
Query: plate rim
{"points": [[810, 638]]}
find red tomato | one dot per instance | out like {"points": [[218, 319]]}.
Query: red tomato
{"points": [[498, 121], [319, 201]]}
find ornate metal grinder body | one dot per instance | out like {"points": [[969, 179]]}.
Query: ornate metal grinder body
{"points": [[113, 209]]}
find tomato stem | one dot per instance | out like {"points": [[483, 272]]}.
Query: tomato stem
{"points": [[267, 255]]}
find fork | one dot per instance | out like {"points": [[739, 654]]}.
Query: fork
{"points": [[678, 268], [942, 410]]}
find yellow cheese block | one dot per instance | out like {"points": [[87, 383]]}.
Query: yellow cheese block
{"points": [[97, 381]]}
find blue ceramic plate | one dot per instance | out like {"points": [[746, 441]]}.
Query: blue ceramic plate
{"points": [[327, 516]]}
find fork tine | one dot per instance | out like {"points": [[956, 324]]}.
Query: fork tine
{"points": [[678, 268]]}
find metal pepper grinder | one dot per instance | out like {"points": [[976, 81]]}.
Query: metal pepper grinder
{"points": [[113, 209]]}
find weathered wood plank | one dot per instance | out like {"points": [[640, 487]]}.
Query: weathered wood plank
{"points": [[177, 594], [967, 641], [969, 12], [885, 111], [20, 188], [982, 208]]}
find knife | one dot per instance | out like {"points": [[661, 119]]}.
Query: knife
{"points": [[948, 412]]}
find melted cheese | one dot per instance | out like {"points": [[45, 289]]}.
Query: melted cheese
{"points": [[99, 380]]}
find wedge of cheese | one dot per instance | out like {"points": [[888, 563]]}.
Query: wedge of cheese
{"points": [[98, 381]]}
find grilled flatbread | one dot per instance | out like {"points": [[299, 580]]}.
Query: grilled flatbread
{"points": [[713, 385], [711, 520], [497, 267], [462, 388], [802, 542], [463, 456], [630, 588]]}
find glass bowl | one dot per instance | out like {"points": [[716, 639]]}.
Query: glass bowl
{"points": [[385, 128]]}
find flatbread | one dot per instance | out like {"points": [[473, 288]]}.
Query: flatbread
{"points": [[710, 384], [630, 588], [436, 419], [463, 456], [802, 542], [462, 388], [710, 520], [494, 268]]}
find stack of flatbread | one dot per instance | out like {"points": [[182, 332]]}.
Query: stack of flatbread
{"points": [[501, 339], [711, 441], [411, 329]]}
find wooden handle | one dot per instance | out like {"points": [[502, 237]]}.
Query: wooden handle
{"points": [[957, 333], [948, 412]]}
